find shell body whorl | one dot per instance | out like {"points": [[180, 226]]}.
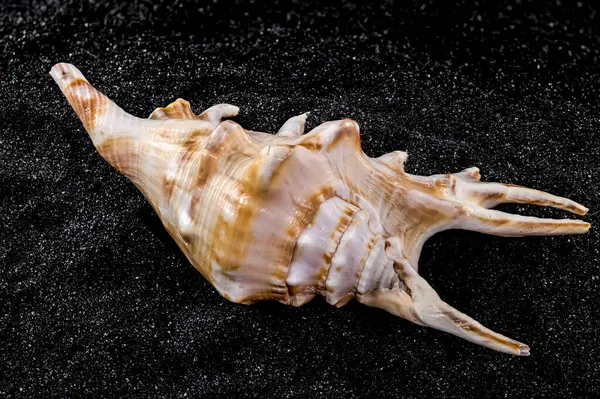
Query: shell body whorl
{"points": [[292, 216], [294, 236]]}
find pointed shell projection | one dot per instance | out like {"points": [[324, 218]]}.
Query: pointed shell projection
{"points": [[292, 216]]}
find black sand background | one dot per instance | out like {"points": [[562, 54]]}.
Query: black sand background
{"points": [[95, 298]]}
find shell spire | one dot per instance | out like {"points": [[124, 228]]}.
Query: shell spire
{"points": [[139, 148], [116, 134], [291, 216]]}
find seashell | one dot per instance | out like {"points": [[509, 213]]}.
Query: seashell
{"points": [[292, 216]]}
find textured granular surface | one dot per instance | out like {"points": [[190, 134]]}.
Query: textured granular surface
{"points": [[97, 301]]}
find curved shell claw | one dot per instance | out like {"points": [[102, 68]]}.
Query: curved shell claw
{"points": [[469, 188]]}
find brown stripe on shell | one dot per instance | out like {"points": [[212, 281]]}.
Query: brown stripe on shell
{"points": [[471, 328], [250, 299], [343, 223], [436, 187], [190, 153], [532, 227], [393, 160], [363, 261], [121, 153], [345, 131], [414, 222], [313, 144], [345, 298], [399, 268], [178, 109], [87, 102], [207, 166], [168, 186], [228, 256], [482, 197], [230, 140], [227, 138], [303, 217], [195, 139], [348, 133], [231, 257]]}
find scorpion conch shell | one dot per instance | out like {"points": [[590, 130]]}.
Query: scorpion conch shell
{"points": [[290, 216]]}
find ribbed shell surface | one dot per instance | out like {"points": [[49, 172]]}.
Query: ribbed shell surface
{"points": [[281, 230]]}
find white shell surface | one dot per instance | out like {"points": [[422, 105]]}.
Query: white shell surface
{"points": [[378, 270], [315, 249], [349, 259]]}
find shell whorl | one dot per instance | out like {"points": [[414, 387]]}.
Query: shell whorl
{"points": [[291, 216], [338, 256]]}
